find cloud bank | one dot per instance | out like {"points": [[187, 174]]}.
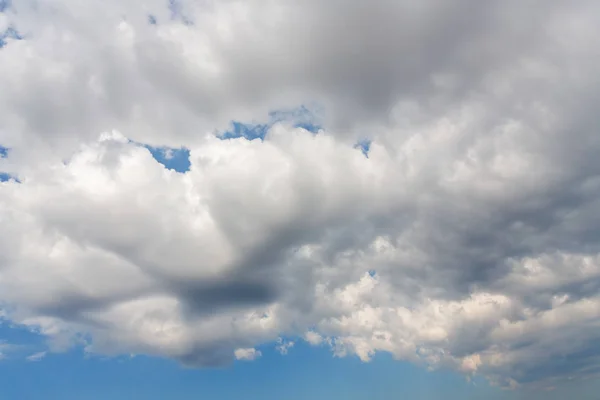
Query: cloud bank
{"points": [[464, 237]]}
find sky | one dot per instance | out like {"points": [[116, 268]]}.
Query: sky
{"points": [[269, 199]]}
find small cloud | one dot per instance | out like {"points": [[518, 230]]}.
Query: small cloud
{"points": [[168, 154], [248, 354], [471, 363], [339, 349], [6, 348], [313, 338], [283, 347], [36, 357]]}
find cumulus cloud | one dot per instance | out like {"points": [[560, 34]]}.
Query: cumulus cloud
{"points": [[465, 237]]}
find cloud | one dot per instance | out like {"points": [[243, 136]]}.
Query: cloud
{"points": [[36, 356], [284, 346], [250, 354], [6, 349], [313, 338], [462, 231], [3, 347]]}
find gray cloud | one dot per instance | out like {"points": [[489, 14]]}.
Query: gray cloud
{"points": [[467, 239]]}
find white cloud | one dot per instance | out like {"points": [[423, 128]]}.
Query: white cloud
{"points": [[477, 206], [36, 356], [6, 348], [250, 354], [313, 338], [283, 346]]}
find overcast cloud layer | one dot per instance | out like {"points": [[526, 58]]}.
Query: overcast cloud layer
{"points": [[467, 238]]}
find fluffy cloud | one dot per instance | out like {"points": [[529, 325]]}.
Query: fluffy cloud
{"points": [[250, 354], [466, 238], [314, 338]]}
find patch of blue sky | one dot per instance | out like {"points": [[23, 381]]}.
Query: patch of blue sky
{"points": [[20, 335], [175, 159], [248, 131], [9, 34], [364, 146], [300, 117], [5, 176]]}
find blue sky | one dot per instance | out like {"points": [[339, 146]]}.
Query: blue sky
{"points": [[304, 373], [3, 154]]}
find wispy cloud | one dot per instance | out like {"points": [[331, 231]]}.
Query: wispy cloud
{"points": [[36, 356], [283, 346]]}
